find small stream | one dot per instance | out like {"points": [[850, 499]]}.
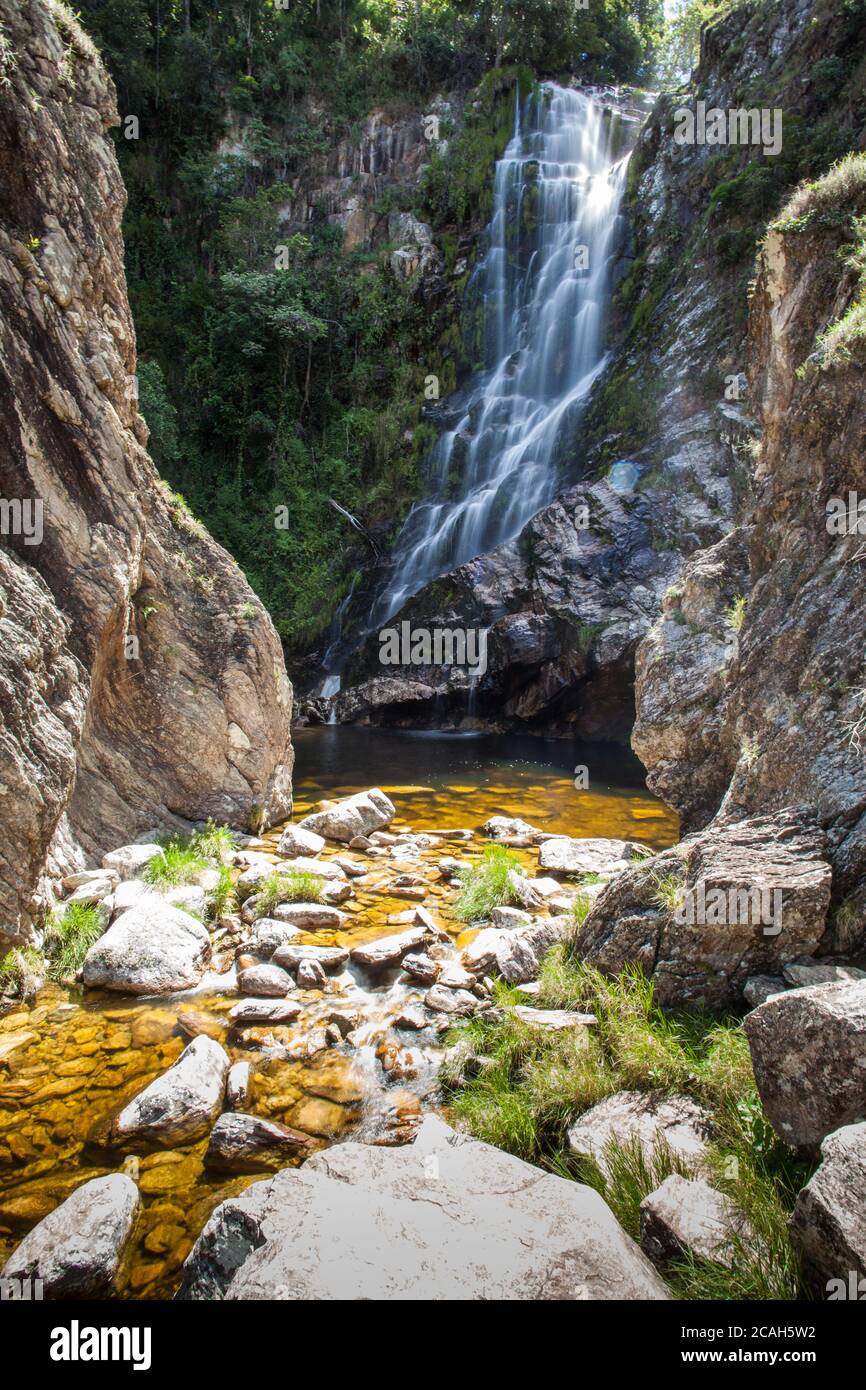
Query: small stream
{"points": [[69, 1061]]}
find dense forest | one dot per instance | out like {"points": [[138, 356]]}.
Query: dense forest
{"points": [[278, 370]]}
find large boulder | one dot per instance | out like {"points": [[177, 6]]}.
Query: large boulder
{"points": [[449, 1218], [515, 953], [354, 815], [809, 1057], [153, 948], [740, 899], [76, 1249], [828, 1223], [656, 1123], [180, 1106]]}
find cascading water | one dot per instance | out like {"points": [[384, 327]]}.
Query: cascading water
{"points": [[540, 292]]}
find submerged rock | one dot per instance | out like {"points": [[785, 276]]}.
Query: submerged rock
{"points": [[179, 1106], [808, 1051], [352, 817], [451, 1219], [76, 1249], [151, 949]]}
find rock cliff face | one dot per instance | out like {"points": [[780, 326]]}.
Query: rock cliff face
{"points": [[140, 678], [775, 713]]}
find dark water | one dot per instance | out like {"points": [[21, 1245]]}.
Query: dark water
{"points": [[437, 779]]}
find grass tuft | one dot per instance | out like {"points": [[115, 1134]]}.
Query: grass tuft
{"points": [[485, 884], [69, 936]]}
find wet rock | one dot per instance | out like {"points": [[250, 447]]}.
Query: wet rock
{"points": [[333, 1035], [400, 1121], [151, 949], [388, 950], [265, 981], [247, 1144], [687, 1216], [355, 815], [179, 1106], [311, 975], [291, 957], [310, 916], [249, 1012], [397, 1062], [515, 955], [76, 1249], [196, 1025], [296, 840], [238, 1085], [635, 1116], [324, 1118], [345, 1020], [412, 1018], [451, 1001], [828, 1223], [453, 1219], [751, 868], [421, 968], [510, 828], [565, 855], [130, 860], [808, 1051], [269, 934], [336, 892], [455, 976]]}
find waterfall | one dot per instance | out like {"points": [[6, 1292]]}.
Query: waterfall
{"points": [[533, 314]]}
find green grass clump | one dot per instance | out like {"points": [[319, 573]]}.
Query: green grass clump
{"points": [[293, 887], [485, 884], [736, 613], [69, 936], [176, 865], [535, 1084], [184, 857]]}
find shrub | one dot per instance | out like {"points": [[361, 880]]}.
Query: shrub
{"points": [[485, 885]]}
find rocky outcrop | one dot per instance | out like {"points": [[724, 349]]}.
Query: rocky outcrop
{"points": [[743, 712], [160, 689], [458, 1219], [735, 901]]}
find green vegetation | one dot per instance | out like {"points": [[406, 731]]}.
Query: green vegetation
{"points": [[292, 887], [184, 857], [22, 972], [536, 1084], [735, 613], [485, 884], [69, 934]]}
